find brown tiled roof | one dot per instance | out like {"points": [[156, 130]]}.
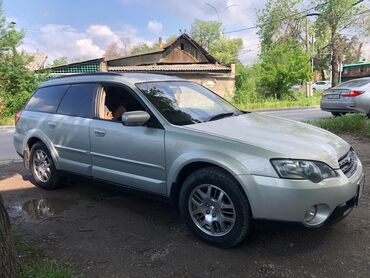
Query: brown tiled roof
{"points": [[171, 68], [38, 61]]}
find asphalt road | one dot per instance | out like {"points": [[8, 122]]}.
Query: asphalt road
{"points": [[7, 151]]}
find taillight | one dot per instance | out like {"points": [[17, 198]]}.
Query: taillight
{"points": [[18, 116], [352, 94]]}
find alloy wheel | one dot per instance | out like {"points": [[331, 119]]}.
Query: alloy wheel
{"points": [[212, 210]]}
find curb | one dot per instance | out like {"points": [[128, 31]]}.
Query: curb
{"points": [[283, 109], [6, 126]]}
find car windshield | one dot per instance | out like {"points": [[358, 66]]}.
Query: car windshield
{"points": [[184, 103], [354, 83]]}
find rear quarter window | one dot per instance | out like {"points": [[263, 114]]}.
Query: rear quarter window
{"points": [[46, 99], [78, 101], [354, 83]]}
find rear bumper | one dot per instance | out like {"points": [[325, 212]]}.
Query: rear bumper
{"points": [[349, 104]]}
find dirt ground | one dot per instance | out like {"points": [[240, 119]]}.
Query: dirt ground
{"points": [[106, 233]]}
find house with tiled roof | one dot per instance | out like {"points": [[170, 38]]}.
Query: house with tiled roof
{"points": [[182, 57]]}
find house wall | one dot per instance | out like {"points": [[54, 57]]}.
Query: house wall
{"points": [[221, 83], [182, 52]]}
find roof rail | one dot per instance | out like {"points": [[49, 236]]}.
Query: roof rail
{"points": [[88, 74]]}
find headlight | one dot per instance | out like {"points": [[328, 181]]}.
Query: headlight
{"points": [[314, 171]]}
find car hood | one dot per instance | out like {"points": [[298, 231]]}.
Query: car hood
{"points": [[287, 138]]}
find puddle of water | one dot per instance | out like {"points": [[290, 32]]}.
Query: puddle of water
{"points": [[37, 209]]}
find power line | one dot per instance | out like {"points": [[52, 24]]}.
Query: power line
{"points": [[293, 16]]}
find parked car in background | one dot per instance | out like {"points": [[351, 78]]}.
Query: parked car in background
{"points": [[350, 96], [321, 85], [224, 169]]}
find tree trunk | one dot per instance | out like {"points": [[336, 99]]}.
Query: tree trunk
{"points": [[334, 59], [9, 267]]}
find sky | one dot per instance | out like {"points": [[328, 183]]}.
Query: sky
{"points": [[82, 29]]}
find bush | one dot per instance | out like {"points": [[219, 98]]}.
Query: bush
{"points": [[356, 124]]}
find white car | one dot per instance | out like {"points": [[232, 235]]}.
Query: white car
{"points": [[321, 85]]}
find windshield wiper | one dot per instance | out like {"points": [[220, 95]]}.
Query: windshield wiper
{"points": [[220, 116]]}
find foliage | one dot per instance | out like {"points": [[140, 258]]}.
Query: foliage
{"points": [[144, 47], [206, 33], [226, 50], [356, 124], [209, 35], [297, 100], [16, 81], [283, 66], [48, 269], [334, 17], [246, 84], [118, 48], [279, 21], [7, 120], [59, 61]]}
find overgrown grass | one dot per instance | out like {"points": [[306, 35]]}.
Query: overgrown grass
{"points": [[47, 269], [33, 263], [356, 124], [7, 120], [299, 101]]}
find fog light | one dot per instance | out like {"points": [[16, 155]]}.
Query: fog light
{"points": [[310, 214]]}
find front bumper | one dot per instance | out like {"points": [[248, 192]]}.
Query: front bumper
{"points": [[287, 200]]}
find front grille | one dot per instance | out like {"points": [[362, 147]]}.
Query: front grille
{"points": [[348, 163]]}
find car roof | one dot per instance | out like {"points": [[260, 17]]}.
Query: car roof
{"points": [[132, 78]]}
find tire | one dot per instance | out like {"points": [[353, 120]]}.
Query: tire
{"points": [[43, 169], [337, 114], [198, 213]]}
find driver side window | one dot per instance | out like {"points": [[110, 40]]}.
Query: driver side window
{"points": [[115, 101]]}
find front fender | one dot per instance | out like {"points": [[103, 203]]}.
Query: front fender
{"points": [[221, 160]]}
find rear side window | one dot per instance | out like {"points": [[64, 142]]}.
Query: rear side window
{"points": [[47, 99], [78, 101], [354, 83]]}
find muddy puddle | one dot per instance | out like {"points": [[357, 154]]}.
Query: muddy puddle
{"points": [[38, 209]]}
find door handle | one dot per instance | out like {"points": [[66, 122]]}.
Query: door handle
{"points": [[52, 124], [99, 132]]}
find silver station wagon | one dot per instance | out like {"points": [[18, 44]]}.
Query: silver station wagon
{"points": [[225, 169]]}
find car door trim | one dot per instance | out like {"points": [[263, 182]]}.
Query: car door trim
{"points": [[128, 160]]}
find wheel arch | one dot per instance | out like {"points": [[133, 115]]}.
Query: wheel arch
{"points": [[35, 136], [187, 169]]}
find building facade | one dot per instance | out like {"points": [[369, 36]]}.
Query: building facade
{"points": [[182, 57]]}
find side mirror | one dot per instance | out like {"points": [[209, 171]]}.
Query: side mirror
{"points": [[135, 118]]}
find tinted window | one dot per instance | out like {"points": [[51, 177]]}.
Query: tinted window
{"points": [[47, 99], [78, 101], [354, 83]]}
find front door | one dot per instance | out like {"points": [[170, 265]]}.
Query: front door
{"points": [[129, 155]]}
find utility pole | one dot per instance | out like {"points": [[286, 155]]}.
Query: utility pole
{"points": [[308, 83]]}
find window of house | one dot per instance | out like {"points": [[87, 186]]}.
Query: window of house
{"points": [[47, 99], [182, 46], [78, 101]]}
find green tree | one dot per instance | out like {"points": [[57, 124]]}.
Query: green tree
{"points": [[334, 17], [16, 81], [206, 33], [226, 50], [280, 21], [283, 66], [209, 35], [144, 47], [246, 84], [59, 61]]}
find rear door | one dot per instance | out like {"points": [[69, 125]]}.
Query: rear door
{"points": [[71, 140]]}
